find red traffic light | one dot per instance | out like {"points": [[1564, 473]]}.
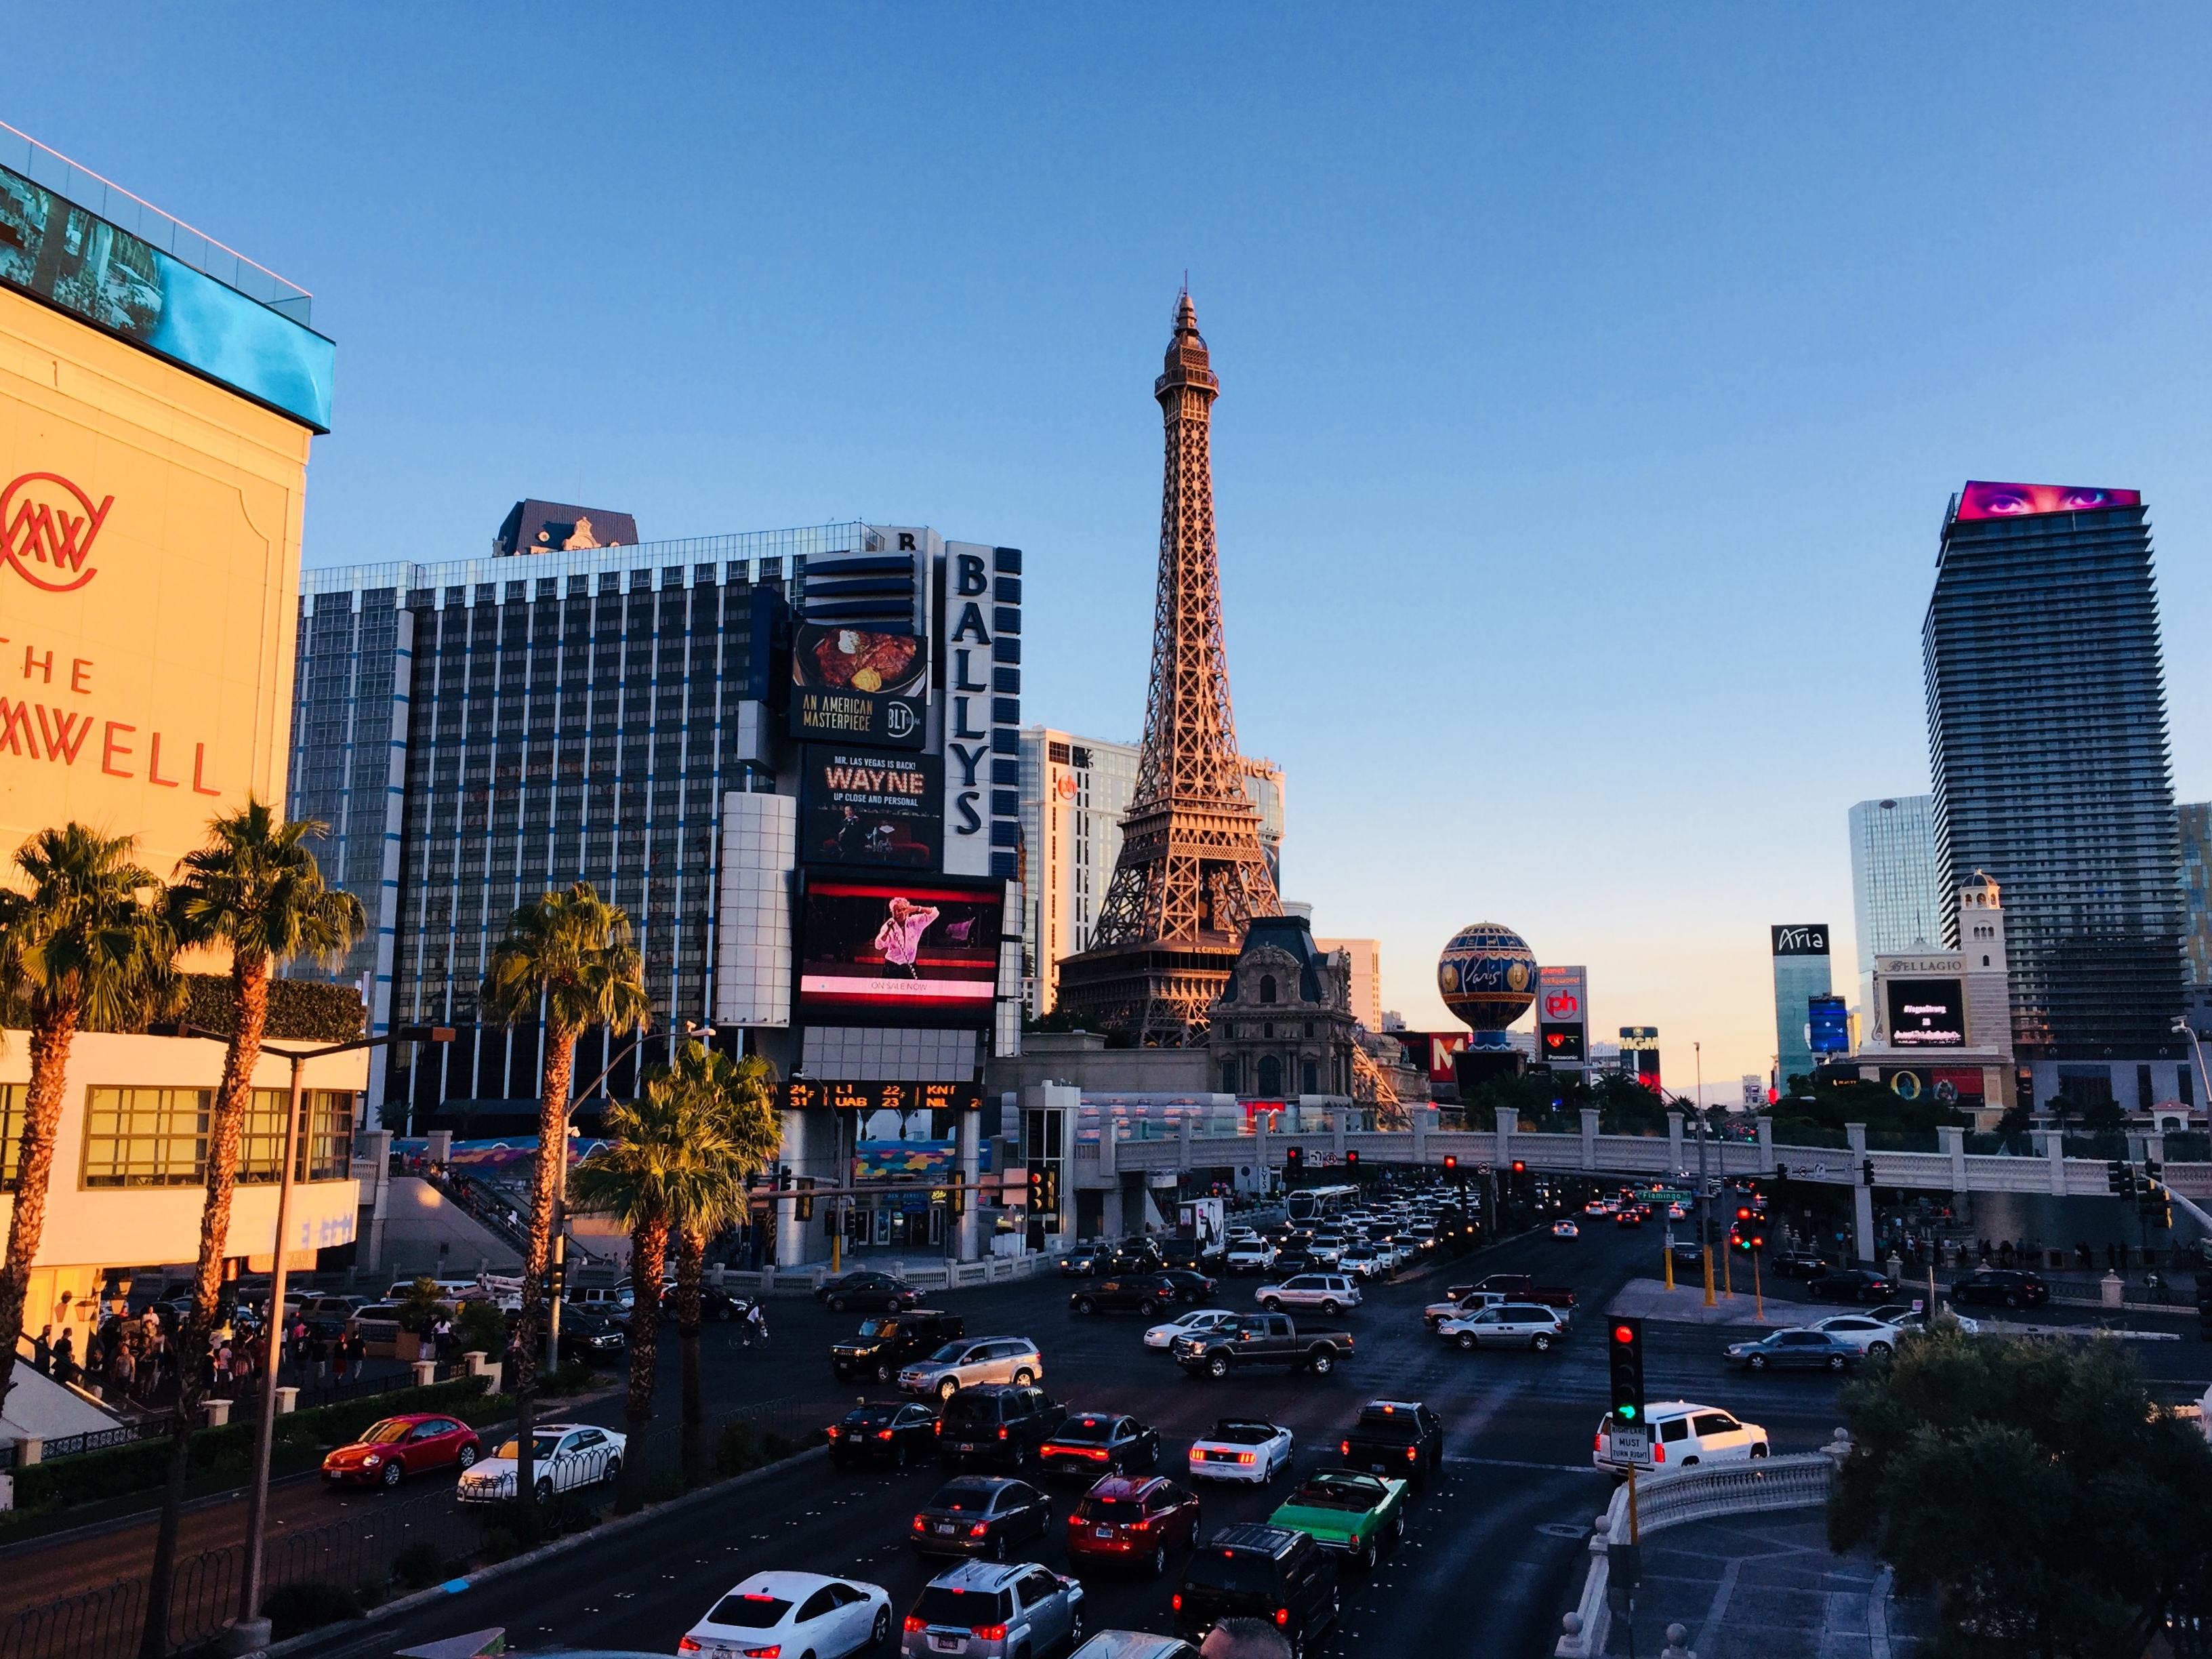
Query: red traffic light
{"points": [[1351, 1156], [1623, 1334], [1519, 1168], [1451, 1160], [1743, 1215]]}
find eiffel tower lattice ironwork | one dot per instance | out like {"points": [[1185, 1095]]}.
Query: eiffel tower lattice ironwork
{"points": [[1191, 872]]}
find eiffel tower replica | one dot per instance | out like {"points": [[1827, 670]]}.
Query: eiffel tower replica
{"points": [[1191, 872]]}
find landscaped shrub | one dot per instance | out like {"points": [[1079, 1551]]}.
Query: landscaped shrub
{"points": [[295, 1609], [738, 1449], [419, 1565]]}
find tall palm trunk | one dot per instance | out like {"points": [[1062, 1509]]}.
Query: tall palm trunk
{"points": [[249, 987], [648, 1254], [52, 1028], [691, 1268], [545, 1189]]}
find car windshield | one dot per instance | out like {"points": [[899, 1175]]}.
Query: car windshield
{"points": [[1337, 1491], [1086, 1430], [963, 1495], [968, 1609], [753, 1611], [1236, 1572], [949, 1354], [878, 1327], [1244, 1434], [384, 1433]]}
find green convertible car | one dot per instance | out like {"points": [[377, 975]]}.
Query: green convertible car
{"points": [[1341, 1509]]}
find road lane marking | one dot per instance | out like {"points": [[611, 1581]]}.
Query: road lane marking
{"points": [[1513, 1463]]}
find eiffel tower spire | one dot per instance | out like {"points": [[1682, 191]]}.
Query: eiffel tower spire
{"points": [[1191, 872]]}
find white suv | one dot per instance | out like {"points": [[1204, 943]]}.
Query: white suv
{"points": [[1684, 1435], [1330, 1292], [957, 1365]]}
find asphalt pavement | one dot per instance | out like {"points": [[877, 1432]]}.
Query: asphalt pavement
{"points": [[1492, 1550]]}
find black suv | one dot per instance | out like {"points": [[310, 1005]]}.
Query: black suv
{"points": [[885, 1344], [1273, 1574], [1146, 1293], [997, 1425], [1850, 1284], [2011, 1288]]}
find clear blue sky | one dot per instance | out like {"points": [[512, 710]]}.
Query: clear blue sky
{"points": [[1593, 378]]}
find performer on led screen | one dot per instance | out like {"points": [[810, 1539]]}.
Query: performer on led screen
{"points": [[900, 937]]}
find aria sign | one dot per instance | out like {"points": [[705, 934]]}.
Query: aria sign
{"points": [[47, 521]]}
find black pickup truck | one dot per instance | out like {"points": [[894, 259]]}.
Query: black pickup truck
{"points": [[1262, 1340], [1401, 1438], [1519, 1287]]}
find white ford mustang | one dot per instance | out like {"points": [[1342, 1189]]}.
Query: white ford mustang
{"points": [[1241, 1449]]}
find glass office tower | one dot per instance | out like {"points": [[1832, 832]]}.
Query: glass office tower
{"points": [[475, 733], [1800, 973], [1897, 899], [2047, 730]]}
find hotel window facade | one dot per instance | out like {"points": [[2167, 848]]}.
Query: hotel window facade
{"points": [[159, 1137]]}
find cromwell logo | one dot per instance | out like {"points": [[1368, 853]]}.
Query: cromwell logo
{"points": [[47, 527]]}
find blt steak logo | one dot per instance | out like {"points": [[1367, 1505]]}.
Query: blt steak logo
{"points": [[47, 527]]}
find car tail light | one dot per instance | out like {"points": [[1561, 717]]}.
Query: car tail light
{"points": [[917, 1523], [1245, 1457], [977, 1531], [1002, 1433], [989, 1632], [1658, 1454], [1597, 1442], [937, 1428], [687, 1645], [773, 1652], [1412, 1452], [1345, 1446], [1095, 1455], [882, 1434], [1282, 1615], [1175, 1602], [913, 1627]]}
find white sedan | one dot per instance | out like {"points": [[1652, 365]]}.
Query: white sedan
{"points": [[1869, 1336], [1241, 1449], [567, 1455], [799, 1613], [1565, 1229], [1196, 1322]]}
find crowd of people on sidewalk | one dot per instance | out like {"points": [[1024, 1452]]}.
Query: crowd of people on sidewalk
{"points": [[136, 1360]]}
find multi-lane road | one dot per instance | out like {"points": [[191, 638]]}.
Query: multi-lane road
{"points": [[1491, 1553]]}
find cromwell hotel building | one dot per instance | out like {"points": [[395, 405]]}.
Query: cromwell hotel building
{"points": [[159, 394]]}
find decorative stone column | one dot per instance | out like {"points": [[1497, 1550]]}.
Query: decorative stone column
{"points": [[1590, 1137], [1675, 1167], [1509, 1120], [1766, 1164], [1862, 1194]]}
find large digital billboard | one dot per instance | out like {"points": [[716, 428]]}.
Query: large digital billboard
{"points": [[870, 807], [856, 686], [1827, 1025], [79, 263], [880, 950], [1926, 1013], [1560, 1043], [2019, 500]]}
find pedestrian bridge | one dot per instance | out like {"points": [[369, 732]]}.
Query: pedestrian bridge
{"points": [[1671, 1156]]}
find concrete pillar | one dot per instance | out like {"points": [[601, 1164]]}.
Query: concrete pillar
{"points": [[1110, 1210], [1953, 1138], [1419, 1118], [2054, 1147], [31, 1447], [1259, 1146], [1590, 1137], [1765, 1145], [218, 1412], [1674, 1164], [1509, 1120], [442, 1148], [474, 1360], [1336, 1135], [1862, 1194], [287, 1401], [791, 1233], [426, 1372], [964, 1244]]}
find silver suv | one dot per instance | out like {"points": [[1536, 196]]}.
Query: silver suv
{"points": [[1330, 1292], [1510, 1325], [957, 1365], [984, 1610]]}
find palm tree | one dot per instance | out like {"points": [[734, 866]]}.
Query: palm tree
{"points": [[737, 1098], [82, 941], [567, 961], [666, 1158], [256, 889]]}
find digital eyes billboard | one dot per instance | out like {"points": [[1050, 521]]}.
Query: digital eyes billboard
{"points": [[863, 806], [1926, 1013], [2019, 500], [881, 951], [856, 686]]}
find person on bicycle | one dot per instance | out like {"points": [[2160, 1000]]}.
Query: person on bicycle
{"points": [[755, 1325]]}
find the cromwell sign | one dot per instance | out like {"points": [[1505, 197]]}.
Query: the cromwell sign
{"points": [[47, 527]]}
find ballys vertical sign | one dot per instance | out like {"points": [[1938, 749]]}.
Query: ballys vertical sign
{"points": [[49, 527]]}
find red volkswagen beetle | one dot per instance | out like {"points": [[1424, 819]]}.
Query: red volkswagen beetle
{"points": [[400, 1446], [1134, 1518]]}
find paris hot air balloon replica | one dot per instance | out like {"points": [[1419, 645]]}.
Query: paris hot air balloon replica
{"points": [[1487, 977]]}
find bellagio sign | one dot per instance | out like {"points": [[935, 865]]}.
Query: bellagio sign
{"points": [[149, 530]]}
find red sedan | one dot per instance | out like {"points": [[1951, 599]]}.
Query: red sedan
{"points": [[1136, 1519], [400, 1446]]}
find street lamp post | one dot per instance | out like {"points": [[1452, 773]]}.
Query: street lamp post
{"points": [[250, 1630]]}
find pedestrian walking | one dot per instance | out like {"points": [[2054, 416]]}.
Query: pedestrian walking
{"points": [[318, 1356], [65, 1357], [42, 1351], [124, 1370], [359, 1355]]}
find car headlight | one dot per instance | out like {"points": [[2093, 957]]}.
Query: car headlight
{"points": [[371, 1460]]}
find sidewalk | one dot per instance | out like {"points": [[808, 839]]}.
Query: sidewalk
{"points": [[1764, 1585]]}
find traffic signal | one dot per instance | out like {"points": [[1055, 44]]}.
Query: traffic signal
{"points": [[1037, 1205], [804, 1205], [1519, 1168], [1052, 1191], [1351, 1156], [1624, 1344], [957, 1197], [2116, 1177], [1451, 1161], [1294, 1156], [2151, 1166], [1866, 1169]]}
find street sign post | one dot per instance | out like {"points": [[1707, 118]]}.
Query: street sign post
{"points": [[1629, 1444]]}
